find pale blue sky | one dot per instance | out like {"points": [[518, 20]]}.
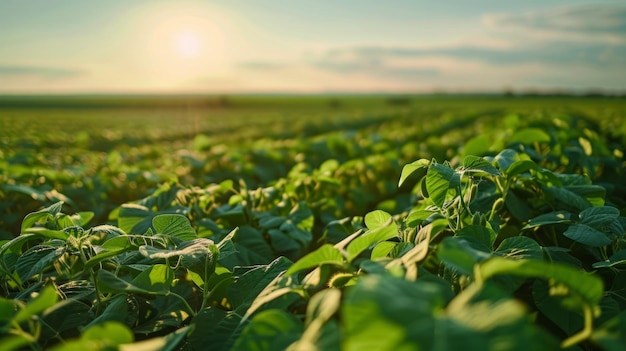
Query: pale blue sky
{"points": [[234, 46]]}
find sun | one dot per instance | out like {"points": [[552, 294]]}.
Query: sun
{"points": [[188, 44]]}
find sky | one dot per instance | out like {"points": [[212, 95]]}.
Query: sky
{"points": [[323, 46]]}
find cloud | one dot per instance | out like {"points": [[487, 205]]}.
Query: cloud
{"points": [[592, 22], [577, 47], [19, 71]]}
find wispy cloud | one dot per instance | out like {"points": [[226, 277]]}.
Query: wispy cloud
{"points": [[550, 48], [595, 23], [44, 72]]}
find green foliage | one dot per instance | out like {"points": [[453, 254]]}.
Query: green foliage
{"points": [[498, 233]]}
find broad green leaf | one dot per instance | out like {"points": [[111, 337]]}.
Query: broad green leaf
{"points": [[478, 145], [47, 233], [215, 329], [133, 216], [520, 247], [506, 158], [589, 287], [618, 258], [325, 254], [439, 179], [413, 167], [385, 313], [36, 259], [156, 280], [549, 218], [460, 255], [599, 217], [382, 249], [594, 194], [567, 199], [475, 164], [192, 248], [369, 238], [268, 331], [479, 235], [415, 218], [530, 135], [115, 246], [48, 212], [45, 299], [376, 219], [175, 225], [519, 167], [587, 235], [116, 310], [66, 316], [252, 281]]}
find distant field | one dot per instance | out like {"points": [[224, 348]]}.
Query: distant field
{"points": [[101, 151], [463, 205]]}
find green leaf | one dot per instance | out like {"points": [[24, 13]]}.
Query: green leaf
{"points": [[377, 218], [319, 316], [47, 233], [48, 212], [549, 218], [475, 164], [175, 225], [589, 287], [325, 254], [519, 167], [479, 235], [382, 249], [506, 158], [530, 135], [249, 285], [134, 218], [116, 310], [36, 259], [191, 249], [156, 280], [478, 145], [268, 331], [409, 169], [371, 237], [45, 299], [618, 258], [520, 247], [599, 217], [439, 179], [587, 235], [215, 329], [415, 218], [115, 246], [459, 254], [385, 313]]}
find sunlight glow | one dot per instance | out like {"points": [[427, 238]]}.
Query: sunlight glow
{"points": [[188, 44]]}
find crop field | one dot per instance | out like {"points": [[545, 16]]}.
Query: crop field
{"points": [[341, 222]]}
